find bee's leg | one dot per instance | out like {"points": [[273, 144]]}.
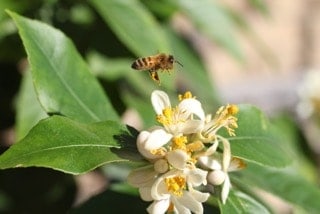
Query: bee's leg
{"points": [[154, 75]]}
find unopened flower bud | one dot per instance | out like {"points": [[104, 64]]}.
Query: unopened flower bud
{"points": [[161, 166], [216, 177]]}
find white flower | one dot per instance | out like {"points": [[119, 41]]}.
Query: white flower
{"points": [[177, 149], [309, 95], [218, 174], [179, 119], [224, 118], [174, 190], [151, 144]]}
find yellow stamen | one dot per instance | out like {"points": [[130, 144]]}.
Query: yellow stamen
{"points": [[240, 164], [195, 146], [232, 109], [224, 118], [186, 95], [179, 143], [160, 151], [166, 117], [176, 185]]}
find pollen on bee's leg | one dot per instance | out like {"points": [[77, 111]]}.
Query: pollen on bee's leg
{"points": [[154, 76]]}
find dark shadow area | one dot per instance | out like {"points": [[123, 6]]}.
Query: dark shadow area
{"points": [[35, 190], [127, 141]]}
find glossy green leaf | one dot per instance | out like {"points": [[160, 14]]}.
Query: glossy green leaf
{"points": [[134, 25], [211, 19], [286, 183], [239, 202], [72, 147], [28, 108], [255, 141], [62, 80]]}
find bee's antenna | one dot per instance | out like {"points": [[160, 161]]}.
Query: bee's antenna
{"points": [[178, 63]]}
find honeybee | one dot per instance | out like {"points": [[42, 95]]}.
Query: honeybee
{"points": [[160, 61]]}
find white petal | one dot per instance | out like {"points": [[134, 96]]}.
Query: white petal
{"points": [[225, 190], [159, 189], [192, 106], [148, 141], [145, 193], [226, 158], [160, 101], [200, 196], [190, 126], [177, 158], [179, 208], [159, 207], [188, 201], [142, 176], [209, 162], [196, 177]]}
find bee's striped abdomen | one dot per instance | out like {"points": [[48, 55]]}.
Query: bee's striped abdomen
{"points": [[142, 63]]}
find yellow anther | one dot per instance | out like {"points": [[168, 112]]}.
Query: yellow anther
{"points": [[166, 117], [186, 95], [232, 109], [195, 146], [179, 143], [176, 185], [224, 118], [160, 151]]}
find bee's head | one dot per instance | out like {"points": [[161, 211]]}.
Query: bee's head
{"points": [[171, 59]]}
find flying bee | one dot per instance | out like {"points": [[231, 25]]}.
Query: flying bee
{"points": [[161, 61]]}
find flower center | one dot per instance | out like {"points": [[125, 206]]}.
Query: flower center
{"points": [[169, 116], [166, 118], [179, 143], [176, 185]]}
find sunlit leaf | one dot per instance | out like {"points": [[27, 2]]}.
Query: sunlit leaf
{"points": [[255, 141], [134, 25], [285, 183], [239, 202], [62, 80], [65, 145]]}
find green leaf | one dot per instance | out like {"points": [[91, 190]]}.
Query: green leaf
{"points": [[65, 145], [239, 202], [286, 183], [62, 80], [107, 68], [29, 111], [134, 25], [193, 74], [213, 21], [255, 142]]}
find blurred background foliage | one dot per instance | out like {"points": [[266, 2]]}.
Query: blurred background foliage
{"points": [[110, 35]]}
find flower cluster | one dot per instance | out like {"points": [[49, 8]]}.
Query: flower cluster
{"points": [[183, 155]]}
